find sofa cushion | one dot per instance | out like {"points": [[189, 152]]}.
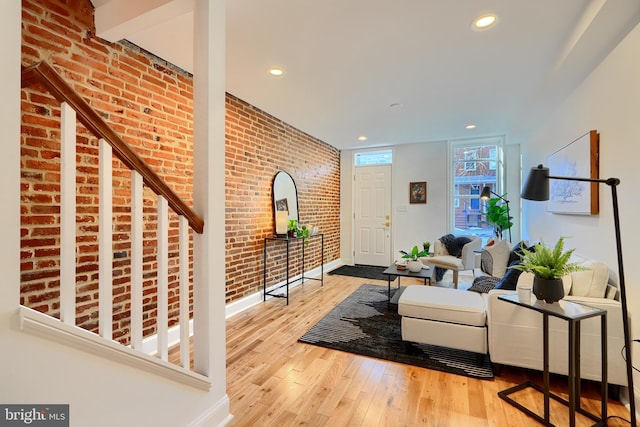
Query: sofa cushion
{"points": [[591, 282], [493, 259], [443, 304]]}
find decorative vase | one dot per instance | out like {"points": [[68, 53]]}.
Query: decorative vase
{"points": [[291, 233], [414, 266], [549, 290]]}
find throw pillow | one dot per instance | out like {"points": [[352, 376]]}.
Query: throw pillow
{"points": [[509, 281], [483, 284], [516, 252], [493, 259], [592, 282]]}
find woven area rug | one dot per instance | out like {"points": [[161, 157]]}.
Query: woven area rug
{"points": [[364, 271], [365, 324]]}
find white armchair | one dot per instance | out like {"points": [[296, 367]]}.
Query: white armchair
{"points": [[443, 259]]}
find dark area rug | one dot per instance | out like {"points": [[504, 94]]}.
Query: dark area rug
{"points": [[364, 271], [365, 324]]}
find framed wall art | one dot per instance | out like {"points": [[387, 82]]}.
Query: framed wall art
{"points": [[578, 159], [417, 192]]}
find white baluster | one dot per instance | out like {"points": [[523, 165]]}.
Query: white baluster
{"points": [[184, 293], [163, 279], [68, 214], [105, 239], [137, 226]]}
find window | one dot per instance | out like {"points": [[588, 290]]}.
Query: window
{"points": [[365, 158], [492, 157], [470, 155], [475, 163], [474, 202]]}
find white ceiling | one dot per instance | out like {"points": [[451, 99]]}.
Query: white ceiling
{"points": [[347, 61]]}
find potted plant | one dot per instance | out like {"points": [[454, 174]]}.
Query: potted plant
{"points": [[426, 246], [292, 227], [497, 214], [414, 264], [548, 266]]}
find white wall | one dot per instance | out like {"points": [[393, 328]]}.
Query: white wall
{"points": [[411, 224], [416, 223], [34, 370], [608, 101]]}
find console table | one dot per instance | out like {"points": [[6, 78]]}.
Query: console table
{"points": [[573, 313], [278, 241]]}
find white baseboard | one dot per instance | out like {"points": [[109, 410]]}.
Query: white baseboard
{"points": [[256, 298]]}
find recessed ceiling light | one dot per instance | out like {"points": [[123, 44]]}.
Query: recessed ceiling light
{"points": [[470, 126], [362, 138], [275, 71], [484, 22]]}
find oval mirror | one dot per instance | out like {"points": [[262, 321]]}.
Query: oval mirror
{"points": [[285, 195]]}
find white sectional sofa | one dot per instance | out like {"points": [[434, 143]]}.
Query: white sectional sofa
{"points": [[515, 336], [514, 333]]}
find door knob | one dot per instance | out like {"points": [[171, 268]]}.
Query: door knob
{"points": [[386, 224]]}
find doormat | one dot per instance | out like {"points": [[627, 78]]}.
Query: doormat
{"points": [[363, 271]]}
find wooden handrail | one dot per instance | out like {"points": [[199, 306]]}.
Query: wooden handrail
{"points": [[45, 74]]}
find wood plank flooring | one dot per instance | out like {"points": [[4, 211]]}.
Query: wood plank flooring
{"points": [[273, 380]]}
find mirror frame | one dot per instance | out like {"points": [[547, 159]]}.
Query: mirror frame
{"points": [[274, 193]]}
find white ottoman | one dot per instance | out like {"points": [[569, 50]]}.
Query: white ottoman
{"points": [[445, 317]]}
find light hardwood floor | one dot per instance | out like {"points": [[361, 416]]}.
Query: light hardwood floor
{"points": [[273, 380]]}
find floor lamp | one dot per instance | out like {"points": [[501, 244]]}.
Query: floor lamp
{"points": [[537, 188], [486, 194]]}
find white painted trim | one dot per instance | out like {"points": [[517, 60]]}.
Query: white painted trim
{"points": [[256, 298], [51, 328], [215, 412]]}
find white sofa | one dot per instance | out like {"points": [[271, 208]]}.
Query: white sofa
{"points": [[514, 333]]}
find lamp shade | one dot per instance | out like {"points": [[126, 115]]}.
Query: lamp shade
{"points": [[486, 193], [537, 186]]}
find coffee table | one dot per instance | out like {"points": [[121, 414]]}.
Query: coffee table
{"points": [[424, 274]]}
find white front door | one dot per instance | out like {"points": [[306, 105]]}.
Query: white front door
{"points": [[372, 219]]}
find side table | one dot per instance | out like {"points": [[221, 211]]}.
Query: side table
{"points": [[286, 240], [424, 274], [573, 313]]}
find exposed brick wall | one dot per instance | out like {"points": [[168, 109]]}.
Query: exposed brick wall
{"points": [[149, 103], [259, 145]]}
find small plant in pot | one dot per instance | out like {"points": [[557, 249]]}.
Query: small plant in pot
{"points": [[548, 266], [414, 264], [292, 227]]}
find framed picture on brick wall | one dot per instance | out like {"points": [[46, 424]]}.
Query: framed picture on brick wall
{"points": [[417, 192]]}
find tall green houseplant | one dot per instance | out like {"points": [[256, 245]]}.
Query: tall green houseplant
{"points": [[497, 214]]}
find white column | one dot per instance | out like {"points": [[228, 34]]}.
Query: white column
{"points": [[209, 141]]}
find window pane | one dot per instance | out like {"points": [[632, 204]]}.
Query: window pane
{"points": [[474, 166], [384, 157]]}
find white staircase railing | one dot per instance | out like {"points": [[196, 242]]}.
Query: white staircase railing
{"points": [[74, 108]]}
